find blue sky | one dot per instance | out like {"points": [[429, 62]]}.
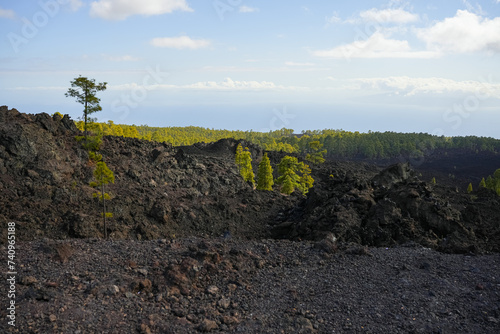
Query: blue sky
{"points": [[405, 66]]}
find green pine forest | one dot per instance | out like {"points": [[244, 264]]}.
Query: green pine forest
{"points": [[337, 143]]}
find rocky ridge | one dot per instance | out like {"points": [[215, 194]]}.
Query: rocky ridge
{"points": [[193, 248], [163, 191]]}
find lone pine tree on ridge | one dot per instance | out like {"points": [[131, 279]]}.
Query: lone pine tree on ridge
{"points": [[85, 90]]}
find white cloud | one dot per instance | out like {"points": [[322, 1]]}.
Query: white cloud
{"points": [[121, 9], [465, 32], [413, 86], [7, 13], [376, 46], [182, 42], [399, 16], [246, 9], [227, 84]]}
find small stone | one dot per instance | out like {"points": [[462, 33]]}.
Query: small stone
{"points": [[52, 318], [29, 280], [113, 290], [327, 244], [143, 271], [179, 312], [142, 285], [232, 287], [213, 290], [207, 326], [129, 294], [224, 303], [145, 329], [228, 320], [304, 325]]}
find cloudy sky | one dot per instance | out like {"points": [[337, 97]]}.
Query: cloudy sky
{"points": [[405, 66]]}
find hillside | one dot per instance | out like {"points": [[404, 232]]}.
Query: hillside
{"points": [[164, 191], [193, 248], [160, 191]]}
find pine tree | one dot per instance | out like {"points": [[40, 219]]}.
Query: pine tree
{"points": [[306, 181], [288, 169], [316, 157], [265, 174], [288, 185], [243, 159], [490, 183], [103, 176], [469, 188], [482, 184], [238, 155], [246, 167], [84, 90], [496, 181]]}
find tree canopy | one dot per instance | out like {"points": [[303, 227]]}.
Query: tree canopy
{"points": [[85, 90], [294, 175], [336, 143]]}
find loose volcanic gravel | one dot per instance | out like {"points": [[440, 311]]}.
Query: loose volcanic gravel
{"points": [[226, 285]]}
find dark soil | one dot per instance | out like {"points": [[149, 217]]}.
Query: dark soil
{"points": [[370, 249], [267, 286]]}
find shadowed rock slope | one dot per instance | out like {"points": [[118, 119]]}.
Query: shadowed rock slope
{"points": [[161, 191]]}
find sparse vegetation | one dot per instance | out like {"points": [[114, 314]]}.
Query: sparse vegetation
{"points": [[482, 184], [492, 182], [103, 176]]}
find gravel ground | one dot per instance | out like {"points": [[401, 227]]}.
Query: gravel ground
{"points": [[225, 285]]}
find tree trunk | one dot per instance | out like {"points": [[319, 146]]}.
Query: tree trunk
{"points": [[85, 117], [104, 211]]}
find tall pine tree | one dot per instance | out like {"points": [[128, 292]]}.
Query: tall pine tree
{"points": [[103, 176], [243, 159], [85, 90], [265, 174]]}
